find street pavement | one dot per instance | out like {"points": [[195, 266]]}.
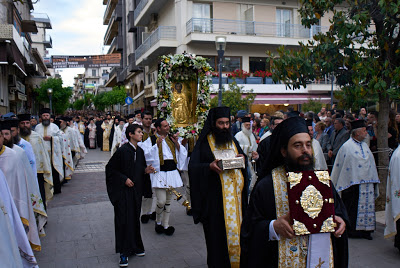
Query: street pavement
{"points": [[80, 231]]}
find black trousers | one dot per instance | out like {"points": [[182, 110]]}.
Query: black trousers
{"points": [[40, 178], [56, 180]]}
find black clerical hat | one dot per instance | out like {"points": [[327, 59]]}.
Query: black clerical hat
{"points": [[14, 122], [246, 120], [357, 124], [24, 117], [5, 125], [280, 138], [44, 111], [308, 123]]}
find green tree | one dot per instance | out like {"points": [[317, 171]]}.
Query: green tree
{"points": [[314, 105], [60, 95], [78, 104], [109, 98], [361, 48], [88, 99], [233, 98]]}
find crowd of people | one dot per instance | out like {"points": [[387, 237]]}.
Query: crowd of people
{"points": [[244, 211], [36, 158]]}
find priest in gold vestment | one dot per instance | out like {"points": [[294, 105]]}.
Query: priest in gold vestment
{"points": [[267, 236], [219, 197]]}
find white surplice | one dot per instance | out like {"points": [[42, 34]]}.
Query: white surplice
{"points": [[319, 159], [18, 249], [392, 209], [17, 181]]}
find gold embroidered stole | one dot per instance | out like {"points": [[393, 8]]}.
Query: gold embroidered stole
{"points": [[191, 143], [145, 136], [292, 252], [232, 183], [171, 146], [2, 149]]}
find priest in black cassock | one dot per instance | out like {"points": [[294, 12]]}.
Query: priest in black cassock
{"points": [[268, 240], [125, 174], [219, 197]]}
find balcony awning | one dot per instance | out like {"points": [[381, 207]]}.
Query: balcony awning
{"points": [[9, 54], [29, 26]]}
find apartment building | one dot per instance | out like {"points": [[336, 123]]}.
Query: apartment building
{"points": [[123, 37], [251, 28], [21, 64], [92, 81]]}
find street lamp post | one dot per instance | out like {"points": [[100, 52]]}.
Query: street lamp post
{"points": [[220, 44], [50, 93], [332, 78], [128, 90]]}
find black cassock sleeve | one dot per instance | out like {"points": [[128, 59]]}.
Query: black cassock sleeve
{"points": [[115, 179], [256, 249]]}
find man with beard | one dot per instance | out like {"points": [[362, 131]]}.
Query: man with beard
{"points": [[20, 185], [31, 182], [117, 135], [53, 142], [267, 236], [34, 122], [43, 163], [248, 143], [167, 155], [219, 197], [356, 178], [14, 122]]}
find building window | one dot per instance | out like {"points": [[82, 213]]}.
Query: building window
{"points": [[93, 72], [259, 64], [93, 82], [284, 21], [202, 18], [229, 64]]}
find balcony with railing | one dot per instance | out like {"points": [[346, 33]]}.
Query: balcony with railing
{"points": [[162, 38], [251, 28], [48, 42], [112, 30], [111, 4], [42, 18], [145, 8]]}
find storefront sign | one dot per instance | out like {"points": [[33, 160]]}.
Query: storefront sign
{"points": [[94, 61]]}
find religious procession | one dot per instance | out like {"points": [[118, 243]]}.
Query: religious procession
{"points": [[287, 189]]}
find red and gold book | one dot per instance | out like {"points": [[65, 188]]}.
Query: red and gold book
{"points": [[311, 202]]}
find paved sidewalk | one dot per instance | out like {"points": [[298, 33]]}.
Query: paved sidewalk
{"points": [[80, 233]]}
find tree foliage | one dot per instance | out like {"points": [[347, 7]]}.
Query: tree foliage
{"points": [[78, 104], [60, 95], [361, 48], [314, 105], [109, 98], [233, 98]]}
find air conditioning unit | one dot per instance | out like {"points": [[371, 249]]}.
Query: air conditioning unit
{"points": [[12, 80]]}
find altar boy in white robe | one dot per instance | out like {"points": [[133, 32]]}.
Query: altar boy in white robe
{"points": [[166, 154]]}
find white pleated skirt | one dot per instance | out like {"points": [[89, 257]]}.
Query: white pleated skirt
{"points": [[166, 179]]}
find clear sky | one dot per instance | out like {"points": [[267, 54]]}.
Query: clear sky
{"points": [[77, 30]]}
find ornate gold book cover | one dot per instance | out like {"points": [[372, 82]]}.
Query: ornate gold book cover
{"points": [[311, 202]]}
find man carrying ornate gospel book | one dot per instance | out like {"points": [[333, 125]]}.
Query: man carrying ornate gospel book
{"points": [[295, 217], [219, 193]]}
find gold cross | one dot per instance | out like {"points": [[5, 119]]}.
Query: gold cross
{"points": [[319, 265]]}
